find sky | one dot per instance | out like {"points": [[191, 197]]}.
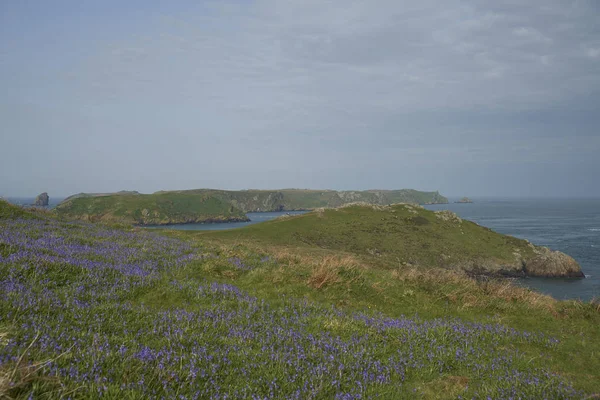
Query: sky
{"points": [[473, 98]]}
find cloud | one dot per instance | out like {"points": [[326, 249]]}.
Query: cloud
{"points": [[357, 55], [593, 52], [451, 80]]}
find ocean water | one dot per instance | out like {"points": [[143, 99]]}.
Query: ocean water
{"points": [[28, 201], [255, 218], [568, 225]]}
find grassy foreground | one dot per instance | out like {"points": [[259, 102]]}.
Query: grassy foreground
{"points": [[88, 311]]}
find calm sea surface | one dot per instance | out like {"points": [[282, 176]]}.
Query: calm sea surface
{"points": [[569, 225], [255, 218]]}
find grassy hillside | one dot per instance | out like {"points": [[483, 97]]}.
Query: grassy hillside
{"points": [[121, 193], [92, 312], [306, 199], [311, 199], [245, 200], [167, 207], [8, 210], [151, 209], [396, 236]]}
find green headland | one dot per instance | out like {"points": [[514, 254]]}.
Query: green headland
{"points": [[403, 235], [150, 209], [209, 205], [307, 199]]}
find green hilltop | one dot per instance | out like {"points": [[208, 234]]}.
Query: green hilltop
{"points": [[210, 205], [409, 235], [150, 209]]}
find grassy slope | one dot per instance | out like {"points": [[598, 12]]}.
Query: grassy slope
{"points": [[323, 276], [121, 193], [8, 210], [245, 200], [298, 199], [317, 259], [306, 199], [163, 208], [398, 236]]}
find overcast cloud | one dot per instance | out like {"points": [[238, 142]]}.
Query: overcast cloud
{"points": [[465, 97]]}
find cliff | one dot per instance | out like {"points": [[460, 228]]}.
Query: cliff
{"points": [[306, 199], [204, 205]]}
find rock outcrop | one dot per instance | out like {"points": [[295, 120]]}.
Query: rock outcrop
{"points": [[464, 200], [42, 200], [551, 264]]}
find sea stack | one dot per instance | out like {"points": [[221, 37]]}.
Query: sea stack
{"points": [[42, 200]]}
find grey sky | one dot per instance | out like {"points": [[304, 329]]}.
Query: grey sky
{"points": [[465, 97]]}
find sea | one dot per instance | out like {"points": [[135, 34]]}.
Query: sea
{"points": [[568, 225]]}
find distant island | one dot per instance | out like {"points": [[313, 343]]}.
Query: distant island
{"points": [[211, 205], [464, 200]]}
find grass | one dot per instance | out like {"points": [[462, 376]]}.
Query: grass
{"points": [[158, 209], [310, 199], [204, 205], [345, 281], [306, 199], [208, 205], [394, 236], [88, 311]]}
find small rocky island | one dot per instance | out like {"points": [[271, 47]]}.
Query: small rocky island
{"points": [[464, 200], [42, 200]]}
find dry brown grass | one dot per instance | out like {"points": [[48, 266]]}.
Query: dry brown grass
{"points": [[458, 287], [327, 271], [452, 285], [22, 374], [448, 387]]}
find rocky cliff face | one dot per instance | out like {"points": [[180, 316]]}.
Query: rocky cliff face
{"points": [[548, 263], [42, 200], [298, 199], [254, 201]]}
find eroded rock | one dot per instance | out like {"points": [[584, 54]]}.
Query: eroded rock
{"points": [[42, 200], [548, 263]]}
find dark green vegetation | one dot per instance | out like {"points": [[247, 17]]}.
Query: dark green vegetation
{"points": [[120, 193], [208, 205], [92, 312], [407, 235], [151, 209], [305, 199], [201, 205]]}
